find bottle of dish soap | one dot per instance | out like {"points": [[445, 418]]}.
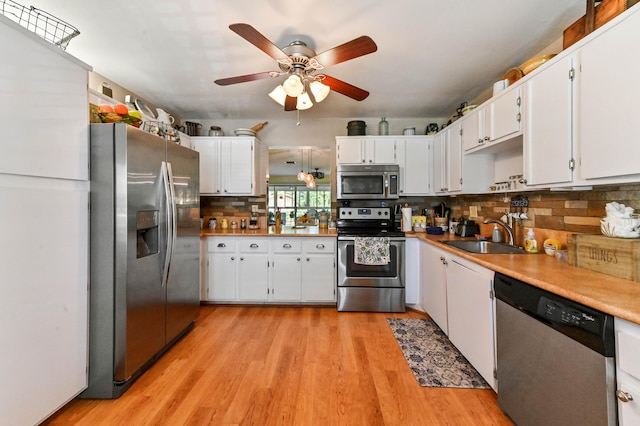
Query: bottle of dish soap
{"points": [[530, 243], [496, 235]]}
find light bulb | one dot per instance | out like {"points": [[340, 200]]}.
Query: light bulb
{"points": [[293, 86], [304, 101], [278, 94], [311, 184], [301, 176], [308, 178], [319, 90]]}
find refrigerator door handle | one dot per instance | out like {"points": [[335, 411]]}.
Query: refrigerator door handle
{"points": [[174, 213], [167, 194]]}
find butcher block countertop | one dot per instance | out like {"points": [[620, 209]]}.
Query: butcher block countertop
{"points": [[613, 295], [285, 231]]}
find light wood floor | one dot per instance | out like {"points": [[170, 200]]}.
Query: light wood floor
{"points": [[285, 366]]}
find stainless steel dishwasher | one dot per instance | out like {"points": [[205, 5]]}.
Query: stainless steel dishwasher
{"points": [[555, 358]]}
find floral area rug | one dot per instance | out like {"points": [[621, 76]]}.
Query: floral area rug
{"points": [[433, 359]]}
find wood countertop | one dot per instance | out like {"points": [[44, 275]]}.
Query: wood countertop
{"points": [[613, 295], [285, 231]]}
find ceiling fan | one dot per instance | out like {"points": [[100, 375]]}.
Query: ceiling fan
{"points": [[303, 65]]}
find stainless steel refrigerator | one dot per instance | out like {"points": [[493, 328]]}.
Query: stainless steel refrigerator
{"points": [[144, 248]]}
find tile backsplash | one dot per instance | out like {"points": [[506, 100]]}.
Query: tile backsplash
{"points": [[551, 212]]}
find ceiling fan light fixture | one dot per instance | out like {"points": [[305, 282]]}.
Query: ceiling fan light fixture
{"points": [[304, 101], [293, 86], [278, 94], [320, 91]]}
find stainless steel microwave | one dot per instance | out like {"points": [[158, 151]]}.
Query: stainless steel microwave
{"points": [[367, 182]]}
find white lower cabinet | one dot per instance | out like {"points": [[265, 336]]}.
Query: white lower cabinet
{"points": [[278, 270], [470, 314], [286, 264], [628, 372], [221, 269], [433, 284], [318, 275], [458, 296]]}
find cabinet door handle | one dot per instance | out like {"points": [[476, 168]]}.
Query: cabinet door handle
{"points": [[624, 396], [222, 245], [287, 246], [308, 259], [480, 140], [225, 190], [254, 245], [298, 259], [486, 138], [242, 258], [319, 246], [233, 258]]}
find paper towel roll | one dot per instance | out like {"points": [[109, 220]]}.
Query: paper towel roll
{"points": [[406, 219]]}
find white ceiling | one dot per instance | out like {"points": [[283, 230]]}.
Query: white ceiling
{"points": [[432, 54]]}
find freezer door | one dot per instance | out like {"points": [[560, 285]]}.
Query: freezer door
{"points": [[141, 245], [183, 285]]}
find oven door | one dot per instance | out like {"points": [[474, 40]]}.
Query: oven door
{"points": [[351, 274]]}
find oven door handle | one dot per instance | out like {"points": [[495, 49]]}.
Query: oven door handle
{"points": [[391, 239]]}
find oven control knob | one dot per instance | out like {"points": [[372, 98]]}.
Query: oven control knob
{"points": [[379, 213], [386, 213], [349, 213]]}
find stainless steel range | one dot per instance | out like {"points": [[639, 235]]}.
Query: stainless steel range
{"points": [[370, 260]]}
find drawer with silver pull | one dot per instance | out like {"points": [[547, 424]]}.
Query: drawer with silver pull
{"points": [[286, 245], [253, 245], [319, 245], [221, 245]]}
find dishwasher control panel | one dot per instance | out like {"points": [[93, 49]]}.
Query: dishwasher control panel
{"points": [[560, 313]]}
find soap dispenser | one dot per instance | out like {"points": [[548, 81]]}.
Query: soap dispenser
{"points": [[496, 235], [530, 243]]}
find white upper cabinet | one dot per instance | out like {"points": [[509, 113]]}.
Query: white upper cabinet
{"points": [[608, 102], [43, 108], [506, 117], [495, 121], [230, 165], [548, 140], [366, 150], [415, 157], [447, 160], [475, 129]]}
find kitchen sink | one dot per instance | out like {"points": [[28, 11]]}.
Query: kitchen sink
{"points": [[483, 247]]}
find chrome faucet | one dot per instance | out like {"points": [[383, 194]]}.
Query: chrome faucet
{"points": [[503, 225]]}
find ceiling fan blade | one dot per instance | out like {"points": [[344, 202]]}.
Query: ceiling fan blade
{"points": [[242, 78], [355, 48], [290, 103], [345, 88], [252, 35]]}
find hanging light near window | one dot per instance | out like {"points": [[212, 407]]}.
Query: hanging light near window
{"points": [[311, 184], [301, 175], [309, 177]]}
